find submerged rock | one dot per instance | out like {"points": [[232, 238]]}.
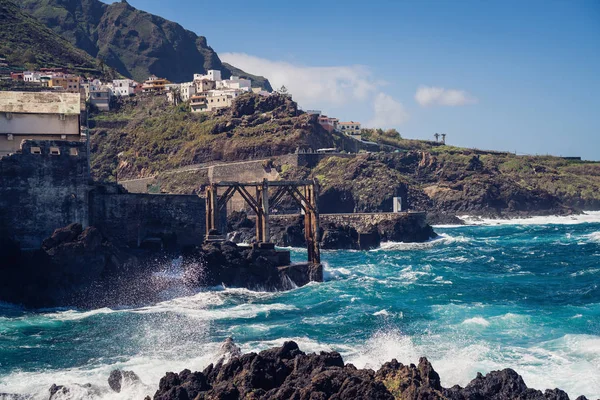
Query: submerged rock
{"points": [[286, 372]]}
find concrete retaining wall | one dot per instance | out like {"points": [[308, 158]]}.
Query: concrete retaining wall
{"points": [[41, 192], [132, 219]]}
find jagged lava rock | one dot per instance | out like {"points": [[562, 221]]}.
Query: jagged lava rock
{"points": [[286, 372]]}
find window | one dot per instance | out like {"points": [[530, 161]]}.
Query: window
{"points": [[73, 151], [36, 150], [55, 151]]}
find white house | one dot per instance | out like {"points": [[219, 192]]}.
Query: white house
{"points": [[123, 87], [211, 75], [235, 82], [31, 76], [188, 89], [350, 128], [35, 115]]}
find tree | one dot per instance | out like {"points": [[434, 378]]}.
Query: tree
{"points": [[437, 137], [284, 92]]}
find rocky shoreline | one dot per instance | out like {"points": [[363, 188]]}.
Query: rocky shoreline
{"points": [[82, 268], [286, 372]]}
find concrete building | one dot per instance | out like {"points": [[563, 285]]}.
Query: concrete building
{"points": [[123, 87], [204, 85], [212, 75], [349, 128], [155, 84], [219, 101], [40, 116], [187, 89], [235, 82], [68, 83], [31, 76], [213, 100], [329, 124], [198, 103], [100, 97]]}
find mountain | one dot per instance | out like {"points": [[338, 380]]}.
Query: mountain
{"points": [[135, 43], [24, 41]]}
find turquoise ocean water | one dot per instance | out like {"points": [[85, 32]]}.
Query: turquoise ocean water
{"points": [[523, 295]]}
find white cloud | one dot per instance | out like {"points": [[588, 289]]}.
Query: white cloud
{"points": [[351, 91], [430, 95], [388, 112], [310, 85]]}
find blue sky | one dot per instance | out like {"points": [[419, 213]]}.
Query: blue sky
{"points": [[507, 75]]}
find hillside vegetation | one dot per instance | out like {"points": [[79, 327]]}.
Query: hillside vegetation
{"points": [[133, 42], [145, 137], [26, 42], [148, 136]]}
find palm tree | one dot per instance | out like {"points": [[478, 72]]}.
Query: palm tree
{"points": [[437, 136], [444, 138]]}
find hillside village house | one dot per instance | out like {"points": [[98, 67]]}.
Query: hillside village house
{"points": [[68, 83], [37, 115], [329, 124], [349, 128], [123, 87], [155, 84], [100, 97]]}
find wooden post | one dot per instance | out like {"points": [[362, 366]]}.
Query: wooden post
{"points": [[315, 221], [212, 209], [259, 217], [264, 202], [308, 233]]}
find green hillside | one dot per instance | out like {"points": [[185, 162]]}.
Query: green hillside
{"points": [[26, 42], [133, 42]]}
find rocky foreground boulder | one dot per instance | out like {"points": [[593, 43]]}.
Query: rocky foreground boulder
{"points": [[286, 372]]}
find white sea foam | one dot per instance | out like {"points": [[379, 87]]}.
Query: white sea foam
{"points": [[587, 217], [476, 321], [382, 313], [593, 237], [443, 238]]}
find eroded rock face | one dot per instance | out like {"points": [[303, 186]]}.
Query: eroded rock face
{"points": [[63, 271], [285, 372]]}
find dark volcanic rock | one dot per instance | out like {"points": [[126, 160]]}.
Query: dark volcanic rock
{"points": [[278, 373], [338, 237], [66, 271], [119, 378], [226, 263], [286, 372], [410, 381], [501, 385]]}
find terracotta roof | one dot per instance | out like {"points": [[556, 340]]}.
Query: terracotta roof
{"points": [[40, 102]]}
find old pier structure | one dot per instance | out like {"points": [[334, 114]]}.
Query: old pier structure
{"points": [[261, 201]]}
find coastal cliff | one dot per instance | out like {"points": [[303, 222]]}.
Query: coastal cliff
{"points": [[171, 144]]}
